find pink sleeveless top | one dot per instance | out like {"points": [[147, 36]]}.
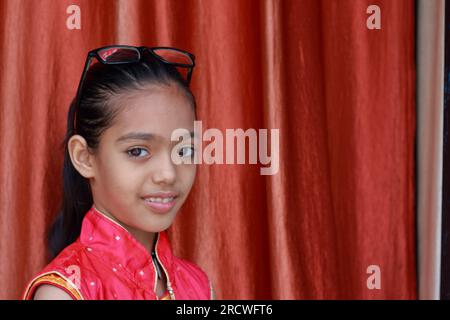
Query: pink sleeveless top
{"points": [[107, 262]]}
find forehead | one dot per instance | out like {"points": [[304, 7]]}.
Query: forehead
{"points": [[158, 110]]}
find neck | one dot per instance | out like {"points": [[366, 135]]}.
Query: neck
{"points": [[147, 239]]}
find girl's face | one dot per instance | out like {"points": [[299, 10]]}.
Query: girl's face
{"points": [[133, 159]]}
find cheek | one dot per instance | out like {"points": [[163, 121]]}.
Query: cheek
{"points": [[186, 176], [118, 176]]}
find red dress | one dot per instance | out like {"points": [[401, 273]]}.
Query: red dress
{"points": [[107, 262]]}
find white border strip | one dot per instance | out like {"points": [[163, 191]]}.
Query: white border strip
{"points": [[430, 110]]}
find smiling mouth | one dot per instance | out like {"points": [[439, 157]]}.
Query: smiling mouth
{"points": [[160, 200], [159, 204]]}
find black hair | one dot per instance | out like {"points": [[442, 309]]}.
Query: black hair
{"points": [[94, 115]]}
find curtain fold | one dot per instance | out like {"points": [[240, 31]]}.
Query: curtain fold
{"points": [[341, 95]]}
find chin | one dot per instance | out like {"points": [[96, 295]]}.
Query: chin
{"points": [[157, 226]]}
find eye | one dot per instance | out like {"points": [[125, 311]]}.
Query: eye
{"points": [[136, 152], [187, 151]]}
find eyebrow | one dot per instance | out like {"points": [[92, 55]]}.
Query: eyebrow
{"points": [[145, 136]]}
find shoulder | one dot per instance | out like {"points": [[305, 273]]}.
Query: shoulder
{"points": [[52, 286], [51, 292], [64, 274]]}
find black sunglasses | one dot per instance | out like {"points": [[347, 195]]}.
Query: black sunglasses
{"points": [[121, 54]]}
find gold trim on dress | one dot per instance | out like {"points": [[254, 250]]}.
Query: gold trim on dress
{"points": [[166, 297], [169, 284], [53, 278]]}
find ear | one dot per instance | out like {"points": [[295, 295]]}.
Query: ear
{"points": [[81, 156]]}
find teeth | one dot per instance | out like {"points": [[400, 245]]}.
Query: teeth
{"points": [[160, 200]]}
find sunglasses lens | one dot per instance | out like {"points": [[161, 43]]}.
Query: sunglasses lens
{"points": [[176, 57], [119, 55]]}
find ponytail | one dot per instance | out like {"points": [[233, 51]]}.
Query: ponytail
{"points": [[76, 201]]}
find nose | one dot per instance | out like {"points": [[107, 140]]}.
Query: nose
{"points": [[165, 172]]}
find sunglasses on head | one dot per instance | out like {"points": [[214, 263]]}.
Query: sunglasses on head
{"points": [[182, 60]]}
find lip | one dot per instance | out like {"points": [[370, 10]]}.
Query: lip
{"points": [[160, 207], [161, 194]]}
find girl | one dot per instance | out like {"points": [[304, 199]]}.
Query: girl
{"points": [[122, 188]]}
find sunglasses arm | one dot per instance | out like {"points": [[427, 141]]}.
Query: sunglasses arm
{"points": [[77, 102]]}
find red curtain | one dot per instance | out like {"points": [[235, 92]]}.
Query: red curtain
{"points": [[341, 95]]}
